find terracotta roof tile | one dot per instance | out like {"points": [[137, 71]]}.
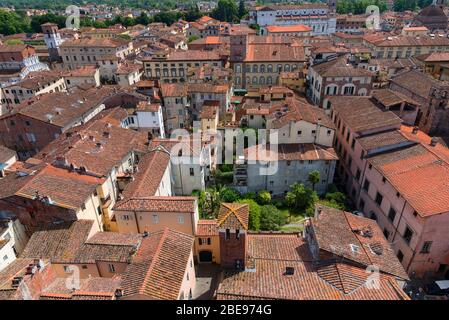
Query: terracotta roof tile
{"points": [[158, 268], [233, 216], [207, 228]]}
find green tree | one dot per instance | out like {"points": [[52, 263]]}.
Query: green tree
{"points": [[226, 10], [242, 10], [229, 195], [13, 41], [193, 38], [301, 198], [168, 17], [37, 21], [12, 23], [143, 19], [314, 178], [271, 218], [254, 214], [193, 14], [263, 197]]}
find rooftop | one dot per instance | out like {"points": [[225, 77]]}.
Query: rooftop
{"points": [[158, 267], [361, 114]]}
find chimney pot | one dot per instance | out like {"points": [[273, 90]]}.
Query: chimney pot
{"points": [[434, 142]]}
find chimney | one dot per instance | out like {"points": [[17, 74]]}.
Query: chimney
{"points": [[434, 141], [415, 130], [16, 282], [118, 293]]}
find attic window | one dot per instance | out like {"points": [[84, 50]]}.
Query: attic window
{"points": [[289, 271], [354, 248]]}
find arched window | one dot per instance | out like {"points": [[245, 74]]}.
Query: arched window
{"points": [[262, 68], [238, 68], [248, 68], [287, 68], [262, 80], [270, 68], [237, 80], [294, 67], [254, 80], [248, 80], [363, 92], [279, 67], [269, 80], [255, 68]]}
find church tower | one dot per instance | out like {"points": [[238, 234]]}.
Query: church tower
{"points": [[52, 39], [332, 4]]}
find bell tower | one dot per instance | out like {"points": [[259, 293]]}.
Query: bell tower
{"points": [[52, 39]]}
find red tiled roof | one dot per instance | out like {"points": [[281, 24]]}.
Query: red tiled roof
{"points": [[273, 253], [158, 267], [207, 228], [290, 152], [289, 28], [233, 215], [158, 204]]}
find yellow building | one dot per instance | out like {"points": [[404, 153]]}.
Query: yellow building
{"points": [[292, 80], [209, 118], [207, 242]]}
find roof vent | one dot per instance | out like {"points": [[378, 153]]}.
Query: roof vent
{"points": [[16, 281], [415, 130], [434, 141], [145, 234]]}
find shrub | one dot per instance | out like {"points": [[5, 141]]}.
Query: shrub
{"points": [[271, 218], [254, 214], [263, 197]]}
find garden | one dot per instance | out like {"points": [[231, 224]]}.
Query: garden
{"points": [[272, 214]]}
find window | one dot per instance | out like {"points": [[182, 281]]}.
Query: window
{"points": [[67, 269], [386, 233], [237, 234], [379, 198], [408, 235], [155, 218], [357, 175], [111, 268], [391, 214], [426, 247], [192, 172], [181, 219], [400, 256], [228, 234], [366, 185]]}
